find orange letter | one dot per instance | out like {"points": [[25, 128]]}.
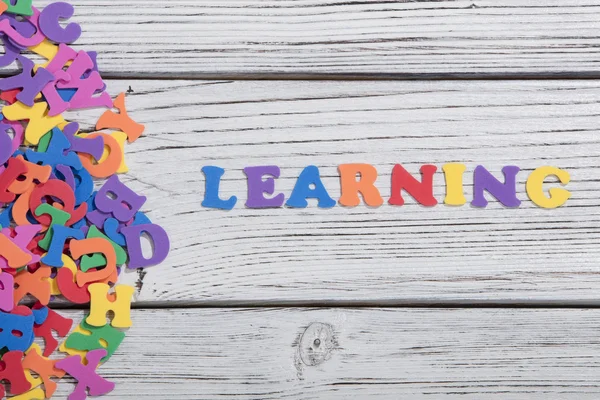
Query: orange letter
{"points": [[121, 121], [108, 166], [95, 245], [350, 187]]}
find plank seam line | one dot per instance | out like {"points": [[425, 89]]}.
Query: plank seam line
{"points": [[352, 77], [355, 305]]}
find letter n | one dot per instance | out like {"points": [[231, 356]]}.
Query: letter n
{"points": [[421, 191]]}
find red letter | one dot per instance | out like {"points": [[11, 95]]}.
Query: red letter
{"points": [[421, 191]]}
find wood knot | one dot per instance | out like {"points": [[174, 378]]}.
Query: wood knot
{"points": [[316, 344]]}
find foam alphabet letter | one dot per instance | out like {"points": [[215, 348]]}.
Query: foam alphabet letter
{"points": [[100, 305], [11, 370], [16, 167], [13, 247], [59, 218], [86, 375], [30, 83], [109, 165], [535, 190], [257, 186], [98, 260], [65, 279], [39, 120], [112, 228], [302, 190], [60, 234], [20, 7], [12, 255], [40, 173], [88, 337], [505, 192], [159, 239], [54, 322], [36, 284], [90, 246], [120, 121], [59, 190], [50, 26], [421, 191], [34, 394], [11, 54], [454, 184], [350, 187], [56, 152], [5, 144], [87, 85], [16, 36], [6, 291], [117, 199], [211, 194], [93, 146], [15, 330], [44, 368]]}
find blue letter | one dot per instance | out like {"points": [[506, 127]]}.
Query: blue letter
{"points": [[302, 190], [60, 234], [211, 195]]}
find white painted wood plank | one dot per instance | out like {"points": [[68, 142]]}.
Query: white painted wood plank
{"points": [[389, 254], [205, 38], [374, 353]]}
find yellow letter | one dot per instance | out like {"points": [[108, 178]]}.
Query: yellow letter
{"points": [[39, 121], [454, 184], [100, 305], [558, 197]]}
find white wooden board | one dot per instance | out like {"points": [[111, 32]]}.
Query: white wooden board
{"points": [[206, 38], [388, 255], [362, 354]]}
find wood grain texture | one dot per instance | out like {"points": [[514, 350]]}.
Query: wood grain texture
{"points": [[475, 38], [388, 255], [371, 353]]}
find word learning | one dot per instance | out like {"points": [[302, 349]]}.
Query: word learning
{"points": [[359, 179]]}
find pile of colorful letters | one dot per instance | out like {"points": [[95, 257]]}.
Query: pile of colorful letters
{"points": [[68, 224]]}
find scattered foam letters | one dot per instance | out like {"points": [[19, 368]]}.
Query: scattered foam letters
{"points": [[58, 238]]}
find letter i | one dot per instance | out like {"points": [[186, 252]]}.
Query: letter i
{"points": [[454, 184]]}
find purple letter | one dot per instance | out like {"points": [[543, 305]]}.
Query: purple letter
{"points": [[257, 186], [7, 288], [505, 192], [160, 244]]}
